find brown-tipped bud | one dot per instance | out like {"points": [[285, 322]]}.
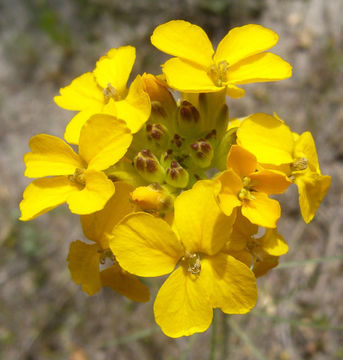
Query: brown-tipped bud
{"points": [[201, 153], [176, 175], [153, 198], [188, 119], [158, 135], [148, 166], [188, 112]]}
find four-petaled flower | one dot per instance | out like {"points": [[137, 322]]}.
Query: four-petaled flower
{"points": [[239, 59], [76, 179], [104, 91], [206, 278]]}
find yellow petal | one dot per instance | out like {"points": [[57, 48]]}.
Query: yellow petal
{"points": [[231, 284], [182, 307], [312, 190], [145, 245], [115, 69], [243, 256], [235, 92], [83, 265], [187, 77], [273, 243], [262, 211], [231, 184], [268, 138], [94, 196], [50, 156], [244, 41], [241, 161], [266, 263], [242, 231], [135, 109], [270, 182], [184, 40], [43, 195], [99, 225], [125, 283], [104, 140], [199, 221], [82, 93], [73, 129], [257, 68], [158, 91], [306, 148]]}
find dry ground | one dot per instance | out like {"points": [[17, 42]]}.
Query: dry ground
{"points": [[43, 314]]}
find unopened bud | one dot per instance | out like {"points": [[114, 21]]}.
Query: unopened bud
{"points": [[158, 91], [158, 135], [201, 153], [188, 119], [153, 198], [176, 175], [148, 166]]}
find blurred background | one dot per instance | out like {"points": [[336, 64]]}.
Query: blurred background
{"points": [[43, 314]]}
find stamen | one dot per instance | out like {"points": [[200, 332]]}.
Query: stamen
{"points": [[246, 194], [110, 92], [193, 262], [78, 177], [218, 73], [106, 254], [299, 165]]}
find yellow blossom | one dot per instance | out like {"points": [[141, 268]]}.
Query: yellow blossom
{"points": [[104, 90], [240, 58], [260, 254], [85, 259], [206, 277], [76, 179], [245, 184], [275, 146]]}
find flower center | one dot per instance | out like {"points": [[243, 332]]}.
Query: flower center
{"points": [[78, 177], [246, 193], [110, 92], [192, 262], [106, 254], [218, 73], [299, 164]]}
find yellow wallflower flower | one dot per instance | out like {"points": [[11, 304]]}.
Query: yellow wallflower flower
{"points": [[207, 277], [76, 179], [260, 254], [84, 259], [248, 185], [104, 90], [239, 59], [274, 144]]}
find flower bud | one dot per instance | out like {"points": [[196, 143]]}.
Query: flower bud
{"points": [[158, 91], [163, 105], [153, 198], [157, 134], [201, 153], [188, 119], [176, 175], [148, 166]]}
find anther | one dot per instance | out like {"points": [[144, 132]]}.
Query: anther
{"points": [[299, 165], [78, 177]]}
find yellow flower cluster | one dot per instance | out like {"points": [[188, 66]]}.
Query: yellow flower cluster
{"points": [[168, 185]]}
